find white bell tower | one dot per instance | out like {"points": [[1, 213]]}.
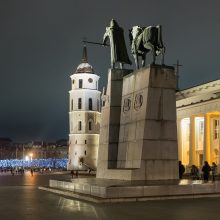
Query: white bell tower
{"points": [[84, 117]]}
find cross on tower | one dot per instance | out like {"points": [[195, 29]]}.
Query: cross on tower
{"points": [[176, 66]]}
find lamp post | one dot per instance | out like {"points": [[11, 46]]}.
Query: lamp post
{"points": [[31, 156]]}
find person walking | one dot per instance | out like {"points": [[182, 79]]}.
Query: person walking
{"points": [[206, 171], [32, 172], [214, 171], [181, 170], [72, 173], [77, 173], [194, 172]]}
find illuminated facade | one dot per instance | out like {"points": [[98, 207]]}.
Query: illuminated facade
{"points": [[84, 117], [198, 115]]}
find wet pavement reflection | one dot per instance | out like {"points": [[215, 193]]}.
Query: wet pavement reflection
{"points": [[27, 179], [20, 199]]}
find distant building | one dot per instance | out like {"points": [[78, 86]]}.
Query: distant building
{"points": [[84, 117], [34, 149], [198, 117]]}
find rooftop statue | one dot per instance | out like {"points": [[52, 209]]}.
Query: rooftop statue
{"points": [[119, 54], [144, 40]]}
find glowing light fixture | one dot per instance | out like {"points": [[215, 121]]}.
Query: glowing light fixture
{"points": [[31, 156]]}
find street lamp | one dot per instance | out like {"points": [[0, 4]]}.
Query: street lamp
{"points": [[31, 156]]}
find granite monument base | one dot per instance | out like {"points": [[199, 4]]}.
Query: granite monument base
{"points": [[109, 191], [138, 136]]}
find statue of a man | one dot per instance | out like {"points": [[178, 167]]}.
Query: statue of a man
{"points": [[117, 44]]}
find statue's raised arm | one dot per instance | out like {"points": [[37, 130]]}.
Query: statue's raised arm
{"points": [[115, 34]]}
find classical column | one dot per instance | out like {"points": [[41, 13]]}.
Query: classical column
{"points": [[207, 138], [218, 169], [179, 136], [192, 146], [219, 142]]}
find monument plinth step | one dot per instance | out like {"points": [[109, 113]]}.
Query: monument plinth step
{"points": [[102, 190]]}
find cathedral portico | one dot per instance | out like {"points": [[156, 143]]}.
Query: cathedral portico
{"points": [[198, 116]]}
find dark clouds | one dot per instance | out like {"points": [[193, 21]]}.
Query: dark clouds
{"points": [[40, 45]]}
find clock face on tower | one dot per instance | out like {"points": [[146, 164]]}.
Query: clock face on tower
{"points": [[90, 80]]}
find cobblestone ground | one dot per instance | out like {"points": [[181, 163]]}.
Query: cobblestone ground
{"points": [[20, 199]]}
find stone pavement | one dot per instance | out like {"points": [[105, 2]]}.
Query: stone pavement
{"points": [[21, 200]]}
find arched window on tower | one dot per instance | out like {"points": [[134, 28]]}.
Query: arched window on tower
{"points": [[90, 103], [79, 103], [72, 105], [90, 125], [80, 83], [79, 125]]}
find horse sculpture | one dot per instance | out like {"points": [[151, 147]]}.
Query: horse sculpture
{"points": [[144, 40]]}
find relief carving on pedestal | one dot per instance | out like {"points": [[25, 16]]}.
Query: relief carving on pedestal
{"points": [[138, 101], [126, 105]]}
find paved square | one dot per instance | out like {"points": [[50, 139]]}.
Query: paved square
{"points": [[20, 199]]}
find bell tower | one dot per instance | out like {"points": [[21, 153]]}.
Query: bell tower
{"points": [[84, 117]]}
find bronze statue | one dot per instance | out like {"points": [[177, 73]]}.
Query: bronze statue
{"points": [[144, 40], [117, 44]]}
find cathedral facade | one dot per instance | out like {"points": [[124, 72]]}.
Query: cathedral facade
{"points": [[84, 117], [198, 117]]}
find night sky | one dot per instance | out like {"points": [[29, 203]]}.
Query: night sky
{"points": [[40, 46]]}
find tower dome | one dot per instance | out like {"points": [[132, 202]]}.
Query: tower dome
{"points": [[84, 68]]}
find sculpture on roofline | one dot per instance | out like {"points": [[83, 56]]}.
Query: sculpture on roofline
{"points": [[144, 40], [119, 54]]}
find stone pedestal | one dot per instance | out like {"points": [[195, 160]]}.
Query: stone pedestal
{"points": [[140, 142], [110, 126]]}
